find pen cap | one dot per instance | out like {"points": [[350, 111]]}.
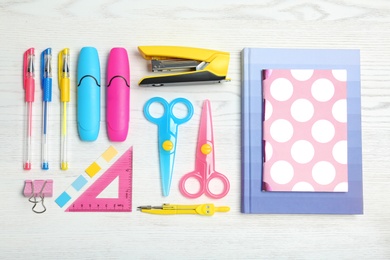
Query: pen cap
{"points": [[88, 94], [28, 74], [64, 75], [46, 75], [118, 95]]}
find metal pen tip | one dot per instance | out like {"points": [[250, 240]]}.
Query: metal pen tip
{"points": [[144, 207], [47, 66], [30, 67], [149, 207], [65, 65]]}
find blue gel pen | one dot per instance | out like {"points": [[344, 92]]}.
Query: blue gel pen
{"points": [[88, 94], [46, 84]]}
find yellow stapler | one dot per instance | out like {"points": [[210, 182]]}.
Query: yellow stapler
{"points": [[195, 65]]}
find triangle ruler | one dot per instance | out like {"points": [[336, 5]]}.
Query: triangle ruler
{"points": [[92, 201]]}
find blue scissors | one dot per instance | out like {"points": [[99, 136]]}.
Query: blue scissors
{"points": [[167, 135]]}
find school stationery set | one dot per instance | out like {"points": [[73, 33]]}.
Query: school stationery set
{"points": [[301, 130], [206, 66]]}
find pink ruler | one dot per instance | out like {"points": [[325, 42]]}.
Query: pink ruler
{"points": [[89, 201]]}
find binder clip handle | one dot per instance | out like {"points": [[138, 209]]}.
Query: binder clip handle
{"points": [[37, 191]]}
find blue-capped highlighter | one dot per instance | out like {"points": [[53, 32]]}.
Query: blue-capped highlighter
{"points": [[88, 94]]}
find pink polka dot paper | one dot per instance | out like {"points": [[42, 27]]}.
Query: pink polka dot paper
{"points": [[305, 130]]}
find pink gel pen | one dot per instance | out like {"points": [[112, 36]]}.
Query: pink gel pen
{"points": [[29, 88], [118, 95]]}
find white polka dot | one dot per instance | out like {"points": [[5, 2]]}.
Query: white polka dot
{"points": [[268, 110], [268, 151], [341, 187], [302, 186], [322, 90], [340, 152], [302, 75], [339, 110], [323, 131], [340, 75], [302, 110], [323, 172], [281, 89], [302, 151], [281, 130], [282, 172]]}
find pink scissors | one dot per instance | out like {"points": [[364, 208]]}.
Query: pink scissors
{"points": [[204, 163]]}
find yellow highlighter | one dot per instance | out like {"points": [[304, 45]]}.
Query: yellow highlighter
{"points": [[172, 209], [64, 86]]}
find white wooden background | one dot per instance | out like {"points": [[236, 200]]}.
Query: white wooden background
{"points": [[222, 25]]}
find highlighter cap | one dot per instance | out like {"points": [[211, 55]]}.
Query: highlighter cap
{"points": [[88, 65], [88, 94], [118, 95]]}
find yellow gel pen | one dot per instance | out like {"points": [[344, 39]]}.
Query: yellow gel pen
{"points": [[64, 85]]}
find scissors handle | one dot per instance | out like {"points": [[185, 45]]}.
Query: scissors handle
{"points": [[168, 110], [204, 185]]}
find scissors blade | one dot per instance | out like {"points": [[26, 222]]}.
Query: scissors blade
{"points": [[167, 143], [167, 146], [205, 146]]}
